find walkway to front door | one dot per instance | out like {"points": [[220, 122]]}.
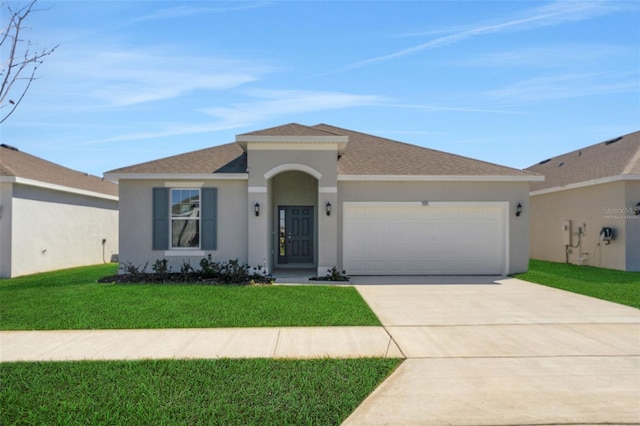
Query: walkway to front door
{"points": [[295, 235]]}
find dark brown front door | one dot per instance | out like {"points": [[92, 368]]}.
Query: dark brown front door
{"points": [[295, 234]]}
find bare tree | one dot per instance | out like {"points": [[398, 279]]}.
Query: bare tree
{"points": [[21, 62]]}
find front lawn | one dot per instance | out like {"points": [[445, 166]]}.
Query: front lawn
{"points": [[224, 392], [607, 284], [71, 299]]}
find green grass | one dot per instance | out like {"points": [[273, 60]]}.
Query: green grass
{"points": [[225, 392], [607, 284], [71, 299]]}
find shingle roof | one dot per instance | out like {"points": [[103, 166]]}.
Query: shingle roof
{"points": [[14, 163], [372, 155], [291, 129], [364, 155], [228, 158], [615, 157]]}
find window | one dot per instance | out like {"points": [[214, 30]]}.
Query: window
{"points": [[185, 218]]}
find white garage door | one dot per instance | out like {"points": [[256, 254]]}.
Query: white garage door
{"points": [[433, 239]]}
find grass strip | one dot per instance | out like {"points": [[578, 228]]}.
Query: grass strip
{"points": [[229, 392], [607, 284], [71, 299]]}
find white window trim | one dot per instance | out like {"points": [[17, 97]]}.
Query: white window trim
{"points": [[184, 250]]}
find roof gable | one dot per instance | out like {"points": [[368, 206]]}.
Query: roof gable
{"points": [[616, 157], [14, 163]]}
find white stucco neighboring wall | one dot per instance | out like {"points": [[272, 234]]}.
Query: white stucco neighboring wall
{"points": [[45, 229], [6, 201], [632, 239], [588, 208]]}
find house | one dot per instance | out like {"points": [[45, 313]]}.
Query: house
{"points": [[315, 197], [587, 211], [52, 217]]}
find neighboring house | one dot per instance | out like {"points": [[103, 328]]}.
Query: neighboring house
{"points": [[295, 196], [585, 191], [52, 217]]}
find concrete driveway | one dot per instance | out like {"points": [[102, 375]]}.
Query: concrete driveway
{"points": [[500, 351]]}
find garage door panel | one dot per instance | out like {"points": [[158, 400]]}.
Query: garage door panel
{"points": [[381, 239]]}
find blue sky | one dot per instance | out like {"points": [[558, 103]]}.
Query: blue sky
{"points": [[510, 82]]}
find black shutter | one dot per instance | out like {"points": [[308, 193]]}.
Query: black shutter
{"points": [[160, 218], [209, 211]]}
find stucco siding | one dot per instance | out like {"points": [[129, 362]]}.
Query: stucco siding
{"points": [[308, 165], [633, 225], [262, 161], [513, 193], [6, 201], [136, 231], [590, 209], [53, 230]]}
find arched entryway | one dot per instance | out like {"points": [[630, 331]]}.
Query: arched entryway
{"points": [[294, 199]]}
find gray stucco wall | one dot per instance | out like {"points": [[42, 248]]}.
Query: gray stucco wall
{"points": [[513, 193], [589, 208], [308, 162], [136, 225]]}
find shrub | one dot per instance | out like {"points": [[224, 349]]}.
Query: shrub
{"points": [[135, 271], [210, 268], [333, 274], [161, 268]]}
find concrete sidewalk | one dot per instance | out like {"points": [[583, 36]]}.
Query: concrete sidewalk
{"points": [[283, 342]]}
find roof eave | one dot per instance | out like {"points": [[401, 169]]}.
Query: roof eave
{"points": [[609, 179], [55, 187], [176, 176], [442, 178]]}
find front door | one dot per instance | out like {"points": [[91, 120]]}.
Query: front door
{"points": [[295, 234]]}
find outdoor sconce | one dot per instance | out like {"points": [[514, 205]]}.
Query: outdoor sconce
{"points": [[637, 212], [328, 207], [518, 209], [256, 208]]}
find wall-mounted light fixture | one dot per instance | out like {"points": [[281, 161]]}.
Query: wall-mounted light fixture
{"points": [[518, 209], [328, 208], [256, 208], [637, 212]]}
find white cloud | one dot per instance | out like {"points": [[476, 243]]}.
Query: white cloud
{"points": [[275, 103], [556, 56], [267, 104], [566, 86], [183, 11], [552, 14], [127, 77]]}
